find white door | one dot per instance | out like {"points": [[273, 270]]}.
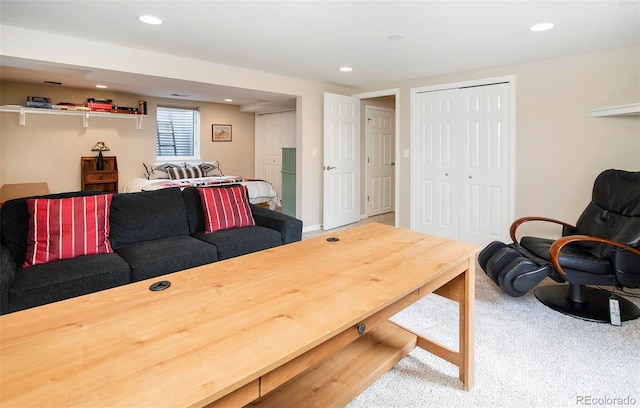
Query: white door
{"points": [[273, 132], [463, 163], [341, 179], [437, 164], [484, 167], [380, 165]]}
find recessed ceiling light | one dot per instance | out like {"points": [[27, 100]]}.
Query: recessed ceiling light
{"points": [[542, 27], [395, 37], [150, 20], [101, 86], [228, 100], [346, 69]]}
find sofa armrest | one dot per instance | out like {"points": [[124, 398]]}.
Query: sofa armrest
{"points": [[7, 274], [289, 227]]}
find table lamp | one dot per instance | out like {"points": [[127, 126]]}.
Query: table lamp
{"points": [[100, 147]]}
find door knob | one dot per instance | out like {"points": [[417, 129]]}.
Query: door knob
{"points": [[393, 163], [329, 168]]}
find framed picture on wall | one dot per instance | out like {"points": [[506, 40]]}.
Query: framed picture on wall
{"points": [[220, 133]]}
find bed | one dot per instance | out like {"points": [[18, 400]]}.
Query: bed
{"points": [[166, 175], [260, 191]]}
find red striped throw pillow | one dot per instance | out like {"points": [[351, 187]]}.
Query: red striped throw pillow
{"points": [[225, 208], [65, 228]]}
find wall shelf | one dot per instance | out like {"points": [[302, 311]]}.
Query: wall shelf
{"points": [[622, 110], [23, 111]]}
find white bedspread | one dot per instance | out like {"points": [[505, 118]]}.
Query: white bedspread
{"points": [[259, 191]]}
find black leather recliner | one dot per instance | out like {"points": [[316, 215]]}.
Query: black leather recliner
{"points": [[603, 248]]}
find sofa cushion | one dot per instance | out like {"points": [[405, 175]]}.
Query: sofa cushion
{"points": [[64, 228], [239, 241], [195, 215], [225, 207], [14, 222], [166, 255], [66, 278], [147, 216], [7, 275]]}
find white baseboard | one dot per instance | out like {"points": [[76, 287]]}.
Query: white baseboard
{"points": [[312, 228], [319, 226]]}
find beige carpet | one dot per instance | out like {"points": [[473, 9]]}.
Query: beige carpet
{"points": [[527, 355]]}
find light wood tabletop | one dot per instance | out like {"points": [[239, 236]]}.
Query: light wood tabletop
{"points": [[221, 327]]}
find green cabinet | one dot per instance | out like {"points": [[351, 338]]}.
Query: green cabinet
{"points": [[289, 181]]}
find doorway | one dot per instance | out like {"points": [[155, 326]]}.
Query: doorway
{"points": [[337, 209], [385, 100], [273, 131], [379, 159]]}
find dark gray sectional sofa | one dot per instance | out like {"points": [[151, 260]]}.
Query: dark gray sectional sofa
{"points": [[152, 233]]}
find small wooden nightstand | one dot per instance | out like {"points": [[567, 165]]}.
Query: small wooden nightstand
{"points": [[101, 180]]}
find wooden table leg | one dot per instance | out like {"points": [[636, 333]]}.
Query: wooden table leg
{"points": [[462, 290], [467, 327]]}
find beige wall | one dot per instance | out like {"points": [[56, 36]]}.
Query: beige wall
{"points": [[49, 147], [28, 44], [560, 148]]}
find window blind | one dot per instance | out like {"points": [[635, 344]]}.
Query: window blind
{"points": [[176, 132]]}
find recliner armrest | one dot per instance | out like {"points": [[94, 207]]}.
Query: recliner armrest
{"points": [[7, 275], [289, 227], [514, 226]]}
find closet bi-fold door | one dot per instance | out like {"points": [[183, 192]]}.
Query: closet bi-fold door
{"points": [[463, 162], [437, 164]]}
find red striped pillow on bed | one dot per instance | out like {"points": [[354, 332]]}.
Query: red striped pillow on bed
{"points": [[225, 208], [65, 228]]}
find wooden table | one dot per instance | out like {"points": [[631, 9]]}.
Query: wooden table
{"points": [[302, 322], [20, 190]]}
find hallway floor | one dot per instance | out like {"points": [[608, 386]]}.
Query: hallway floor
{"points": [[388, 218]]}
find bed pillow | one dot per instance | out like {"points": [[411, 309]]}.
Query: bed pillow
{"points": [[66, 228], [225, 208], [160, 171], [210, 168], [176, 173]]}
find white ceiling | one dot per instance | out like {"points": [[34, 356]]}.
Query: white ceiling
{"points": [[312, 39]]}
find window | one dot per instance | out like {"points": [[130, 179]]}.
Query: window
{"points": [[178, 135]]}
